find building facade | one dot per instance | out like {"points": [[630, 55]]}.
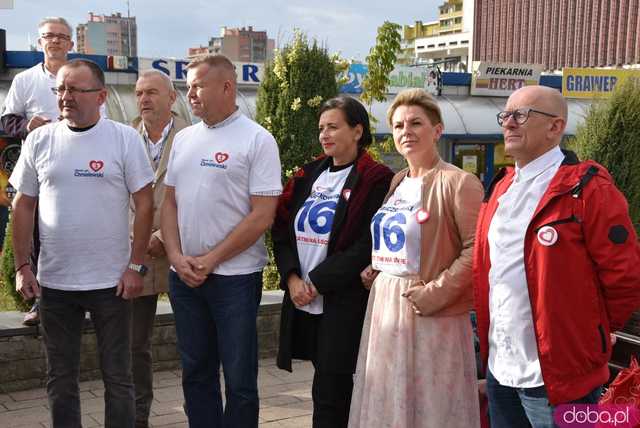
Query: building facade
{"points": [[239, 45], [558, 33], [445, 42], [108, 35]]}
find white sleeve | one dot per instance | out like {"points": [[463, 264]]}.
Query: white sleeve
{"points": [[265, 169], [24, 177], [169, 177], [137, 167], [15, 103]]}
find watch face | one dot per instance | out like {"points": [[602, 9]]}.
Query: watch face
{"points": [[143, 270]]}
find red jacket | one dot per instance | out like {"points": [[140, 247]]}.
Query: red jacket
{"points": [[582, 287]]}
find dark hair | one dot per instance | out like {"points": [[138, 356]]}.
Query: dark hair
{"points": [[95, 69], [354, 113]]}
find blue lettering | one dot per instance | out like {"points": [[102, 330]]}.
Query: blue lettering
{"points": [[586, 86], [181, 73], [249, 72], [578, 83], [570, 83], [158, 65]]}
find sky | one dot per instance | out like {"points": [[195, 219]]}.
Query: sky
{"points": [[168, 28]]}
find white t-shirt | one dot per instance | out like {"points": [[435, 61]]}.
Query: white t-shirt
{"points": [[214, 171], [83, 181], [30, 95], [395, 230], [313, 224]]}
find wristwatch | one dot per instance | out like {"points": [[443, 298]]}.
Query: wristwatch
{"points": [[141, 269]]}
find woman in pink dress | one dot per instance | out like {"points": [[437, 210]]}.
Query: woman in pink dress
{"points": [[416, 364]]}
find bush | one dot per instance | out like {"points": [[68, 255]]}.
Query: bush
{"points": [[300, 78], [610, 135], [9, 271]]}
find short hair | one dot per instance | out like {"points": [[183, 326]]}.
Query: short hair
{"points": [[217, 61], [153, 72], [416, 97], [354, 113], [95, 69], [55, 20]]}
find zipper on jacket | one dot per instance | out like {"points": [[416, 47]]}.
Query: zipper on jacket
{"points": [[603, 339], [572, 219]]}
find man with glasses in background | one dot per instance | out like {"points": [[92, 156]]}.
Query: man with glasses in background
{"points": [[556, 268], [30, 103], [83, 170]]}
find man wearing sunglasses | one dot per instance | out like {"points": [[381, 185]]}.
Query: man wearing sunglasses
{"points": [[556, 268]]}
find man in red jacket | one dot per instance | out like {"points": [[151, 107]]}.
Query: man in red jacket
{"points": [[556, 268]]}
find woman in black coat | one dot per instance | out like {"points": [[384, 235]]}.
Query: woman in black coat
{"points": [[322, 242]]}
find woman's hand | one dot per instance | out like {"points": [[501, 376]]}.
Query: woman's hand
{"points": [[299, 291], [413, 295], [368, 275]]}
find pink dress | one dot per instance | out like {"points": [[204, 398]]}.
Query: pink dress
{"points": [[413, 371]]}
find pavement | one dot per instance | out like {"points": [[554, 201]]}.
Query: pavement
{"points": [[285, 401]]}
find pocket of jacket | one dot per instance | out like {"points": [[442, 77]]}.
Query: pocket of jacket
{"points": [[571, 219]]}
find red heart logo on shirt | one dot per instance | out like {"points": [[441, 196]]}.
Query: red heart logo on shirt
{"points": [[96, 165], [221, 157], [422, 216]]}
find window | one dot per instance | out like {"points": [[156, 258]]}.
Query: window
{"points": [[464, 42], [431, 46], [441, 45], [453, 43], [420, 47]]}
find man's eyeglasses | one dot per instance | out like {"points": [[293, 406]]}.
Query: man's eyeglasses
{"points": [[520, 116], [59, 36], [72, 91]]}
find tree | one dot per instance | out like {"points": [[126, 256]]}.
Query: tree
{"points": [[610, 135], [8, 270], [380, 63], [300, 78]]}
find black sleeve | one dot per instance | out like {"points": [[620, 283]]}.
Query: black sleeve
{"points": [[15, 126], [342, 269]]}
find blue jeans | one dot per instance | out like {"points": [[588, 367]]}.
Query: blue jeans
{"points": [[216, 323], [524, 407]]}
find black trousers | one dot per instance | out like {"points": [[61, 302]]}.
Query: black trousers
{"points": [[331, 392]]}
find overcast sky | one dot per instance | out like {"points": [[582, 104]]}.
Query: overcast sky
{"points": [[169, 28]]}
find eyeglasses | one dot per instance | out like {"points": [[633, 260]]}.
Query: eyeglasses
{"points": [[520, 116], [72, 91], [59, 36]]}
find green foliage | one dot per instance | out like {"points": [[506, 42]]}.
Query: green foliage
{"points": [[381, 62], [9, 271], [610, 135], [300, 78]]}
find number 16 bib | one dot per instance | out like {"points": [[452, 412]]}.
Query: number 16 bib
{"points": [[395, 230]]}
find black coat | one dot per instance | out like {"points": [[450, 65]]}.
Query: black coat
{"points": [[337, 278]]}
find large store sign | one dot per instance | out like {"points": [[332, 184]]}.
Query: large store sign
{"points": [[497, 79], [593, 82], [248, 73], [402, 77]]}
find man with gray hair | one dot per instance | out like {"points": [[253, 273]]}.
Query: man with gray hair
{"points": [[158, 125]]}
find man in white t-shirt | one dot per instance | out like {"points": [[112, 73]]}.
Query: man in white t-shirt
{"points": [[83, 170], [30, 103], [222, 186]]}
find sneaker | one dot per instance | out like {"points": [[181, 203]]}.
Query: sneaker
{"points": [[32, 317]]}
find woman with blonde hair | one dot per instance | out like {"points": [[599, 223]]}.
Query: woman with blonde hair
{"points": [[416, 365]]}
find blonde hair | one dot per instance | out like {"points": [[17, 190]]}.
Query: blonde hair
{"points": [[416, 97], [218, 61], [55, 20]]}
